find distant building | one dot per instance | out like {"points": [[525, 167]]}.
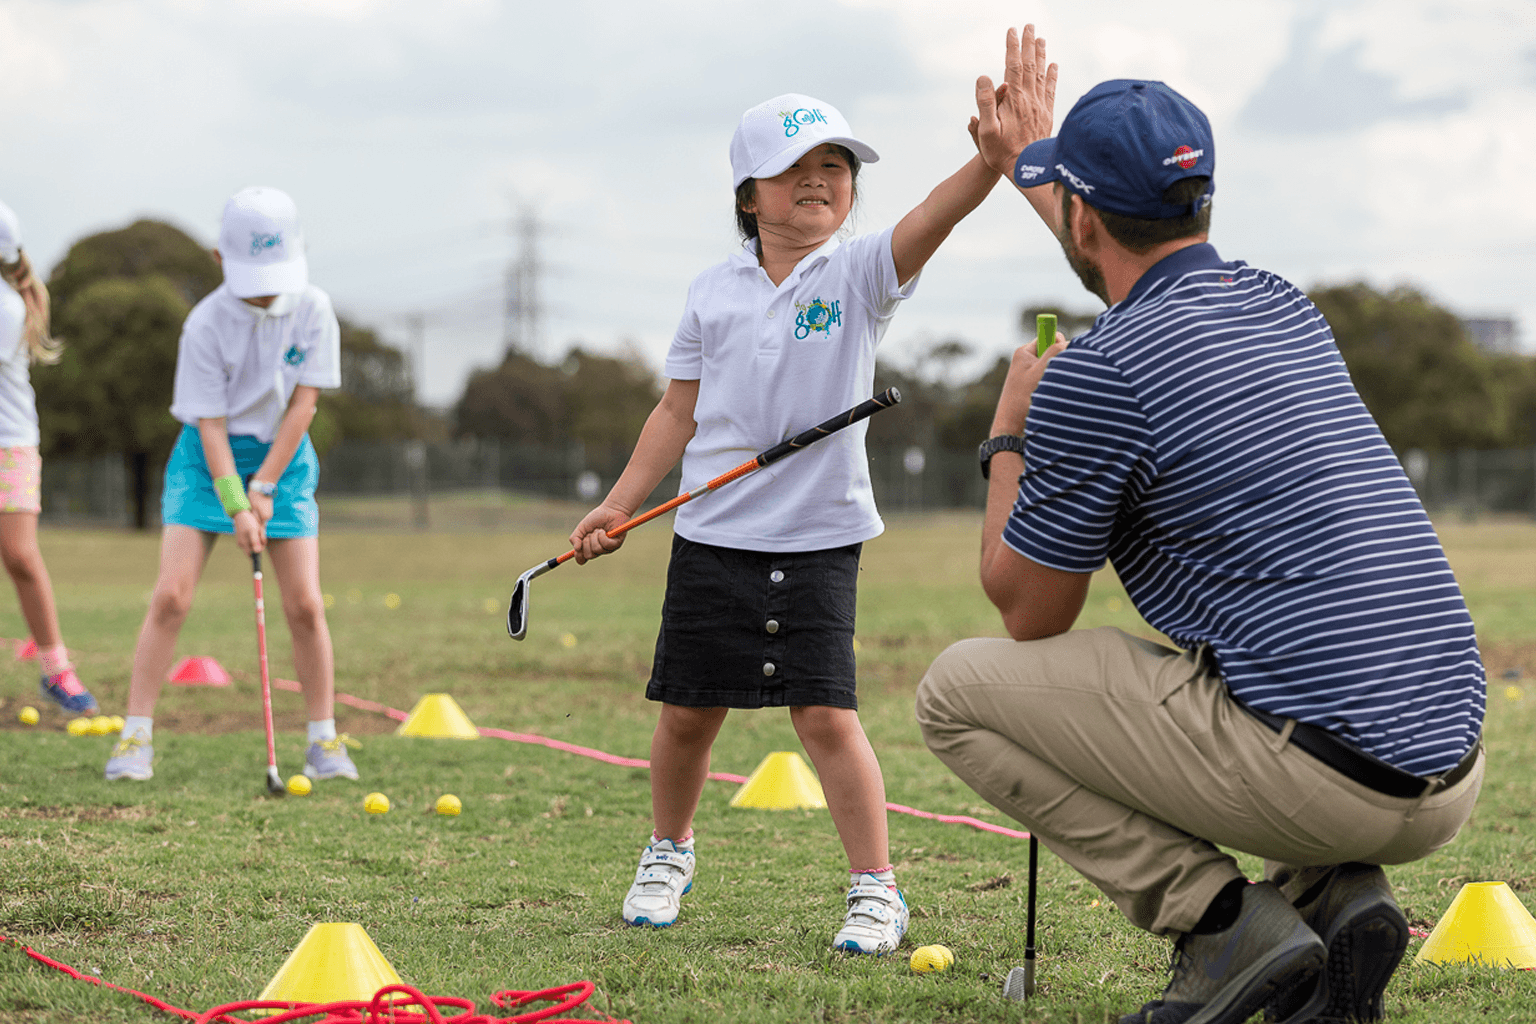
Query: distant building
{"points": [[1495, 334]]}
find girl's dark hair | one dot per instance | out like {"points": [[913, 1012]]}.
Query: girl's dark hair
{"points": [[746, 223]]}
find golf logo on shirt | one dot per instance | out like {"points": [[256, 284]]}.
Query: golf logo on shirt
{"points": [[817, 315], [794, 119], [294, 356], [261, 243]]}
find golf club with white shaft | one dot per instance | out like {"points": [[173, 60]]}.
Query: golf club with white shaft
{"points": [[274, 780], [517, 609]]}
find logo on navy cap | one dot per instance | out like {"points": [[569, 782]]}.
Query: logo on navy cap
{"points": [[1184, 157]]}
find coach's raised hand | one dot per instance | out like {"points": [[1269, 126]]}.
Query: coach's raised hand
{"points": [[1022, 109]]}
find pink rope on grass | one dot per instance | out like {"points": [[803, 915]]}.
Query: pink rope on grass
{"points": [[638, 762]]}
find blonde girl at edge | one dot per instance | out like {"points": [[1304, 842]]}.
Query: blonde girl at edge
{"points": [[760, 597], [24, 340]]}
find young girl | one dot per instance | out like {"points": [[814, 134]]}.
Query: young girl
{"points": [[24, 339], [253, 357], [759, 607]]}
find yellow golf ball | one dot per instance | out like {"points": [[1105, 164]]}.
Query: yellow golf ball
{"points": [[391, 601], [449, 804], [928, 959], [79, 727], [118, 723], [376, 803], [1510, 693], [27, 715], [567, 640], [101, 725], [299, 785]]}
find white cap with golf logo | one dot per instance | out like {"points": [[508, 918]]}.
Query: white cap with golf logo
{"points": [[261, 244], [777, 132]]}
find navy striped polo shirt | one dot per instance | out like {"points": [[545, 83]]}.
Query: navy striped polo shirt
{"points": [[1205, 438]]}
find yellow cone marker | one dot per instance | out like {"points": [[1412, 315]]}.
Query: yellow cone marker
{"points": [[931, 959], [332, 963], [438, 715], [782, 782], [1485, 922]]}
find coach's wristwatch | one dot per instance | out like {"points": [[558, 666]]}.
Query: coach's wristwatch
{"points": [[263, 487], [992, 445]]}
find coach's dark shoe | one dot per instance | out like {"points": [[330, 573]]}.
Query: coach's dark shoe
{"points": [[1366, 936], [1227, 976]]}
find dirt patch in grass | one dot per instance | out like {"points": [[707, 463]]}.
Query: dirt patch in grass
{"points": [[135, 813]]}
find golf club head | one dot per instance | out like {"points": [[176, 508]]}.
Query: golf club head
{"points": [[1021, 983], [517, 608], [275, 785]]}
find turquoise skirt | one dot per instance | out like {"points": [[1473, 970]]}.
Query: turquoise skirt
{"points": [[189, 499]]}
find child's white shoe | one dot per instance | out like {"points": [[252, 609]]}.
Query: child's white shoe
{"points": [[665, 875], [877, 918]]}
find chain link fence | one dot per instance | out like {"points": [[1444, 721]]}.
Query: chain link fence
{"points": [[491, 485]]}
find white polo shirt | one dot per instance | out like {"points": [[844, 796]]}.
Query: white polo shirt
{"points": [[18, 404], [242, 362], [771, 362]]}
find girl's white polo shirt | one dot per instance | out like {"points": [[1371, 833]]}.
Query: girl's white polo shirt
{"points": [[772, 361], [18, 403], [242, 362]]}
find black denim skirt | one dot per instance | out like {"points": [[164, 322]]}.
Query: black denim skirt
{"points": [[757, 629]]}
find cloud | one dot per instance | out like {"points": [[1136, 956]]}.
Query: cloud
{"points": [[1320, 90]]}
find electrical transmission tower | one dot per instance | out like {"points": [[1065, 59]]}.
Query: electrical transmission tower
{"points": [[524, 310]]}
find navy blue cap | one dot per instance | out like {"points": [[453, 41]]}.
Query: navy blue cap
{"points": [[1121, 146]]}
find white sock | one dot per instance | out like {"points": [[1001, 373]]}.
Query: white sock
{"points": [[322, 732], [135, 724]]}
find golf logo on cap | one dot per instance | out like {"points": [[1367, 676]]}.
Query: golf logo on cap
{"points": [[1185, 157], [261, 243], [794, 119], [818, 315]]}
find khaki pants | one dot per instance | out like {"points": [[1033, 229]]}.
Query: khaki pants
{"points": [[1130, 762]]}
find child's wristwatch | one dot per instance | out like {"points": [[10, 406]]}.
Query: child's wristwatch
{"points": [[263, 488], [992, 445]]}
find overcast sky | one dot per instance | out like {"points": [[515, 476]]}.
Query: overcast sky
{"points": [[1392, 141]]}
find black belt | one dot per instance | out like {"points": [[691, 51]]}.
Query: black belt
{"points": [[1354, 763]]}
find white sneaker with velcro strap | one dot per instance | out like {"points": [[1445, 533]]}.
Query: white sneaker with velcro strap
{"points": [[664, 877], [877, 918]]}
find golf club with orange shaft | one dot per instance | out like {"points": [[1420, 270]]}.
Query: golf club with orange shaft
{"points": [[517, 609]]}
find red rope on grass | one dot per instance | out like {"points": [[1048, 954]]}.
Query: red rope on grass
{"points": [[388, 1005], [638, 762]]}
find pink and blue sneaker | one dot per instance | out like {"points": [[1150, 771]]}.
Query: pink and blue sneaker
{"points": [[65, 689]]}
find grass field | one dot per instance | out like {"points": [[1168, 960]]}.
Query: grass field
{"points": [[194, 887]]}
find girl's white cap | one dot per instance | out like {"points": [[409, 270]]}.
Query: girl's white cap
{"points": [[10, 235], [777, 132], [261, 245]]}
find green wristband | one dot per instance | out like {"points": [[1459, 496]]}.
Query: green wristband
{"points": [[232, 495]]}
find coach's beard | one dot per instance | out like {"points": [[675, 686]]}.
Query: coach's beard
{"points": [[1087, 271]]}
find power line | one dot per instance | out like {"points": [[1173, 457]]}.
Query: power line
{"points": [[524, 310]]}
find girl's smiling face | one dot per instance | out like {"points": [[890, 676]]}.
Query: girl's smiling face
{"points": [[805, 205]]}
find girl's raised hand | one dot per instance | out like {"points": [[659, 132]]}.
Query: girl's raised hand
{"points": [[1022, 109], [589, 539]]}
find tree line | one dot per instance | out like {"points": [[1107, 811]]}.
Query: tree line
{"points": [[119, 299]]}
